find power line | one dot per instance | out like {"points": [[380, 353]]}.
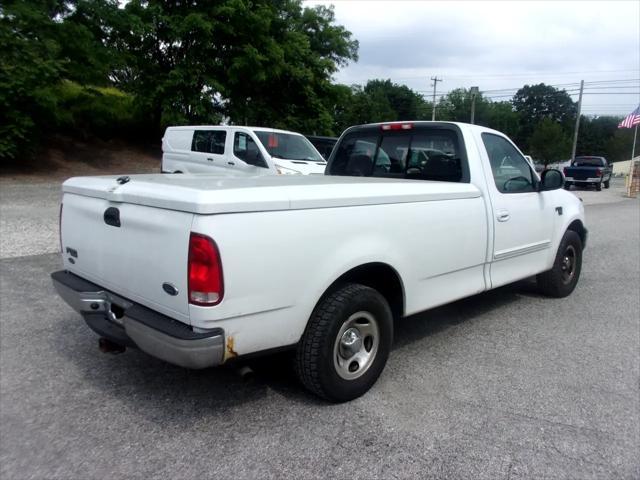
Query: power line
{"points": [[609, 93], [531, 73]]}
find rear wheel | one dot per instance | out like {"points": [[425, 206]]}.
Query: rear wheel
{"points": [[346, 343], [598, 186], [606, 183], [567, 185], [563, 276]]}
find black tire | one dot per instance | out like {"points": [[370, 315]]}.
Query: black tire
{"points": [[598, 186], [319, 352], [561, 280], [567, 185], [607, 183]]}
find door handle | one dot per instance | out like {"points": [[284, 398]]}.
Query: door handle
{"points": [[210, 159], [503, 215], [231, 163]]}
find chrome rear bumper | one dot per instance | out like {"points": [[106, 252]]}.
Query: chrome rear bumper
{"points": [[131, 324]]}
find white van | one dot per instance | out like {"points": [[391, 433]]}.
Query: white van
{"points": [[236, 150]]}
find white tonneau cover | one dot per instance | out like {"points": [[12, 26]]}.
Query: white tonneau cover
{"points": [[210, 194]]}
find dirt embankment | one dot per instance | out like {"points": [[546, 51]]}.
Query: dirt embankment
{"points": [[63, 158]]}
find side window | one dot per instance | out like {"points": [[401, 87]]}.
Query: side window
{"points": [[247, 150], [510, 169], [200, 142], [209, 141], [218, 138]]}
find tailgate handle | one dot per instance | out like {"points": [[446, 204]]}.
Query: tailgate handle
{"points": [[112, 216]]}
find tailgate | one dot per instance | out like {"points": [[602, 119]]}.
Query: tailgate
{"points": [[135, 259], [581, 173]]}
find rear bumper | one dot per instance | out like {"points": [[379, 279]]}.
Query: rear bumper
{"points": [[132, 324], [584, 180]]}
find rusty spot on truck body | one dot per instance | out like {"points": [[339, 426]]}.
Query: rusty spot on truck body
{"points": [[229, 351]]}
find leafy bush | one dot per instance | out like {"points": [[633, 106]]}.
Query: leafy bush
{"points": [[105, 112]]}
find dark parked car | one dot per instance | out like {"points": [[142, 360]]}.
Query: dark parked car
{"points": [[324, 145], [588, 171]]}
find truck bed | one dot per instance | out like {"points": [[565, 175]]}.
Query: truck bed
{"points": [[211, 194]]}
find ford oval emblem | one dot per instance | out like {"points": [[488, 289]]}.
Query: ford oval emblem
{"points": [[170, 289]]}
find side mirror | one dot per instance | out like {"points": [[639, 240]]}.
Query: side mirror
{"points": [[551, 179]]}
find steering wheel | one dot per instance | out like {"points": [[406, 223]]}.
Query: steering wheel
{"points": [[515, 179]]}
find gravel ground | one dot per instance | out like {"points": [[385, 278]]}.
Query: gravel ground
{"points": [[29, 218], [506, 384]]}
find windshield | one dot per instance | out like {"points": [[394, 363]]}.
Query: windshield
{"points": [[288, 147], [588, 162]]}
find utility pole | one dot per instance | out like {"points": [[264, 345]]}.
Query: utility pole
{"points": [[575, 133], [474, 93], [435, 81]]}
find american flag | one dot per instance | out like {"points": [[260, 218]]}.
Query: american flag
{"points": [[631, 120]]}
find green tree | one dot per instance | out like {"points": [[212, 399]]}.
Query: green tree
{"points": [[619, 145], [535, 103], [549, 143], [455, 106], [502, 116], [594, 134], [29, 66], [260, 62], [381, 101]]}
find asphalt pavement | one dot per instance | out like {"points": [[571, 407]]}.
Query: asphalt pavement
{"points": [[506, 384]]}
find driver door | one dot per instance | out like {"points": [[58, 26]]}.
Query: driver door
{"points": [[523, 218], [247, 155]]}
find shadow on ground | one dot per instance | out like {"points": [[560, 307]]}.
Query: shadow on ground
{"points": [[139, 379]]}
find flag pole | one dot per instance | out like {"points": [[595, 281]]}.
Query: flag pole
{"points": [[632, 163]]}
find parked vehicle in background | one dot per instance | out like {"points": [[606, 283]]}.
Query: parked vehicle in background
{"points": [[529, 159], [539, 167], [585, 171], [324, 145], [198, 270], [235, 150]]}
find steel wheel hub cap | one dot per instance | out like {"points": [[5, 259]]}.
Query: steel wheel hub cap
{"points": [[350, 343], [356, 345]]}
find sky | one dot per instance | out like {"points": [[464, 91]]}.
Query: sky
{"points": [[499, 46]]}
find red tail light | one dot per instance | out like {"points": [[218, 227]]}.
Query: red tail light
{"points": [[60, 228], [206, 286], [598, 173], [396, 126], [564, 170]]}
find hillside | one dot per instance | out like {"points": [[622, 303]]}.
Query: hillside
{"points": [[63, 157]]}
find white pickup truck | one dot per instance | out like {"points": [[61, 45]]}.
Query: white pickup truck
{"points": [[198, 270]]}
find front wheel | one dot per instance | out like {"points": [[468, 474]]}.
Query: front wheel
{"points": [[346, 343], [563, 276]]}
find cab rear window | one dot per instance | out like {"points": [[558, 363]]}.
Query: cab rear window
{"points": [[420, 154], [588, 162]]}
